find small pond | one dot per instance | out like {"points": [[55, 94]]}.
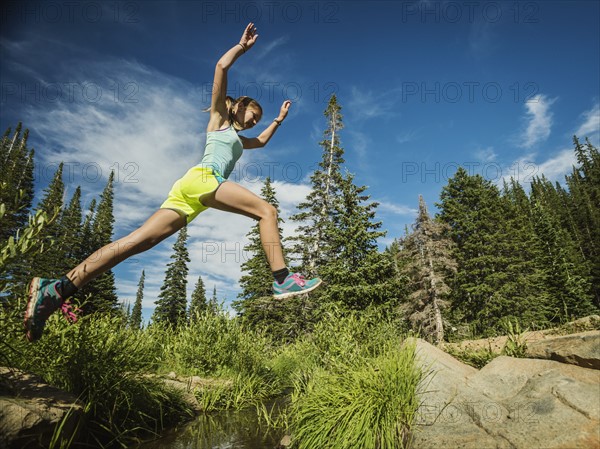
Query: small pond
{"points": [[223, 430]]}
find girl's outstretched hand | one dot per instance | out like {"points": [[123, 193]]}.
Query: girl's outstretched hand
{"points": [[249, 37], [285, 107]]}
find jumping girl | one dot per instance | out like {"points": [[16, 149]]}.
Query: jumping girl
{"points": [[203, 186]]}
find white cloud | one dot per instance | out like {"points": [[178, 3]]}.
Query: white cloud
{"points": [[408, 136], [557, 166], [591, 125], [539, 120], [265, 49], [397, 209], [366, 104], [486, 154]]}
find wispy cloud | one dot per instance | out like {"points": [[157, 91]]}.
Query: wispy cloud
{"points": [[538, 120], [387, 207], [558, 165], [266, 49], [366, 104], [486, 154], [591, 124], [408, 136]]}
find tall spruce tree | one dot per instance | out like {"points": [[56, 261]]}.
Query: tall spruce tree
{"points": [[45, 264], [213, 302], [426, 260], [103, 290], [171, 306], [69, 241], [584, 205], [257, 282], [568, 278], [520, 277], [86, 248], [312, 244], [16, 181], [472, 207], [135, 320], [357, 274], [16, 197], [198, 304]]}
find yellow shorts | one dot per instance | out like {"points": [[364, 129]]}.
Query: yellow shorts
{"points": [[186, 194]]}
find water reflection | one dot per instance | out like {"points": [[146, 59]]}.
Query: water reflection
{"points": [[225, 430]]}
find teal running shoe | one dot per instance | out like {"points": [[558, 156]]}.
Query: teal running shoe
{"points": [[43, 301], [294, 284]]}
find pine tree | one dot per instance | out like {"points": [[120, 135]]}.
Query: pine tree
{"points": [[85, 249], [357, 275], [68, 242], [198, 304], [427, 261], [568, 277], [213, 302], [257, 282], [472, 208], [135, 321], [584, 206], [172, 300], [16, 182], [44, 264], [16, 197], [522, 275], [103, 290], [312, 243]]}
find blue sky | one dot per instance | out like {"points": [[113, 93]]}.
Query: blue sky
{"points": [[425, 86]]}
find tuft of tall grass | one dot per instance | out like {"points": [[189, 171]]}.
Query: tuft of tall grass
{"points": [[211, 344], [368, 406]]}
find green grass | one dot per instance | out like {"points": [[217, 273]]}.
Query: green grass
{"points": [[104, 364], [349, 373], [368, 406]]}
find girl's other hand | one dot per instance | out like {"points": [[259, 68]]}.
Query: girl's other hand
{"points": [[249, 37], [285, 107]]}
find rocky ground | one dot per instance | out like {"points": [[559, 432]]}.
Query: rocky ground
{"points": [[550, 399]]}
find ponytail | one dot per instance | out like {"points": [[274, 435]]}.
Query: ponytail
{"points": [[230, 103]]}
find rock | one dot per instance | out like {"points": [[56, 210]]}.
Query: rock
{"points": [[445, 418], [582, 349], [31, 411], [285, 442], [543, 398], [510, 403]]}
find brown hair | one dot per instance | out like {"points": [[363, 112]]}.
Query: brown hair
{"points": [[245, 101], [230, 103]]}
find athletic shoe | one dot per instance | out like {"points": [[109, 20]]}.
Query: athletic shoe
{"points": [[43, 301], [294, 284]]}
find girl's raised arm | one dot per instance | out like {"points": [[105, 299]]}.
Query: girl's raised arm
{"points": [[219, 92]]}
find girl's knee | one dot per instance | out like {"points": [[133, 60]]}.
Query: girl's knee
{"points": [[268, 211]]}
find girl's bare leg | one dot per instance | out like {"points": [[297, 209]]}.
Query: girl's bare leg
{"points": [[231, 197], [159, 226]]}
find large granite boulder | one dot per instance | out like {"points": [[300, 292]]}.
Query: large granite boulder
{"points": [[33, 413], [582, 349], [510, 403]]}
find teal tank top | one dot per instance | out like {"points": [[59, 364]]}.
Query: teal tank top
{"points": [[223, 149]]}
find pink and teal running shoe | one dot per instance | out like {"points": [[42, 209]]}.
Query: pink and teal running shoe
{"points": [[43, 301], [294, 284]]}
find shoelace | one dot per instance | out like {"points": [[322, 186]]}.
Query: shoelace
{"points": [[299, 279], [69, 313]]}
